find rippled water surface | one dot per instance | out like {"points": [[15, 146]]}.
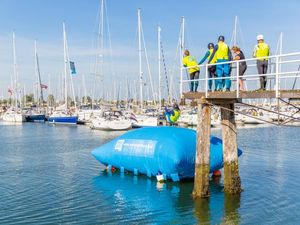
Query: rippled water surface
{"points": [[48, 176]]}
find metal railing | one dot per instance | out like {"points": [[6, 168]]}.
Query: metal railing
{"points": [[275, 61]]}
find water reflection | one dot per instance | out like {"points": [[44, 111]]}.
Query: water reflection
{"points": [[202, 210], [166, 202], [219, 207], [231, 206]]}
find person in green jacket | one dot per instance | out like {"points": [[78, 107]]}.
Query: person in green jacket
{"points": [[172, 115], [211, 69]]}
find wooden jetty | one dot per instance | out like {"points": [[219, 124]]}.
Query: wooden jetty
{"points": [[226, 101]]}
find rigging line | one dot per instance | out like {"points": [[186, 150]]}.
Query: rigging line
{"points": [[276, 112], [290, 120], [69, 72], [97, 45], [148, 65], [241, 35], [176, 54], [109, 40], [165, 69], [294, 84], [289, 103], [186, 40], [243, 114]]}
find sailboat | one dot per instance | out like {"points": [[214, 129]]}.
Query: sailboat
{"points": [[14, 114], [109, 120], [62, 115], [37, 114]]}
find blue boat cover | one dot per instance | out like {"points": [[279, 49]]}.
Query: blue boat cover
{"points": [[153, 150]]}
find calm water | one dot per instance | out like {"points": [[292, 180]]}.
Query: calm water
{"points": [[48, 176]]}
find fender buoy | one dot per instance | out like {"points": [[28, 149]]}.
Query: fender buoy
{"points": [[217, 173]]}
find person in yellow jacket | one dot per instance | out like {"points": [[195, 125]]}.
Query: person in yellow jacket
{"points": [[261, 52], [221, 54], [193, 68]]}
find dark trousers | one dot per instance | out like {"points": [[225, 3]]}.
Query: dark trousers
{"points": [[262, 68], [194, 84], [211, 74]]}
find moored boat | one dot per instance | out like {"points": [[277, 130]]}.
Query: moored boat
{"points": [[12, 115], [111, 121], [62, 117]]}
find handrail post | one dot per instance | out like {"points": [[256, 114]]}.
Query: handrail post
{"points": [[277, 77], [206, 80], [237, 79]]}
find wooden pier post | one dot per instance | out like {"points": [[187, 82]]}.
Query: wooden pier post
{"points": [[232, 181], [201, 180]]}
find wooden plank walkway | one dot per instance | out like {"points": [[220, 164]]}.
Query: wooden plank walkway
{"points": [[290, 94]]}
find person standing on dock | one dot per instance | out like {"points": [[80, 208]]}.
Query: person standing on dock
{"points": [[211, 69], [190, 62], [261, 52], [222, 54], [239, 55]]}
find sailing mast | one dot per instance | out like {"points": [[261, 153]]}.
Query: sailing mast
{"points": [[15, 71], [159, 66], [38, 74], [98, 71], [235, 31], [65, 67], [140, 58], [181, 53]]}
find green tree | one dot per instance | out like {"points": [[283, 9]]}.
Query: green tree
{"points": [[86, 99], [50, 100], [29, 98]]}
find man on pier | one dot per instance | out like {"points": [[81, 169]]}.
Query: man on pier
{"points": [[222, 54], [190, 61], [261, 52]]}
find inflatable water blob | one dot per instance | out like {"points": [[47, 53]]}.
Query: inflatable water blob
{"points": [[167, 151]]}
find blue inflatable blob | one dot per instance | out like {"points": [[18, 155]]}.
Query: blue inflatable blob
{"points": [[158, 150]]}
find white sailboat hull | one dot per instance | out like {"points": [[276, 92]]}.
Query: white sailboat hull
{"points": [[87, 115], [145, 121], [13, 117], [110, 125]]}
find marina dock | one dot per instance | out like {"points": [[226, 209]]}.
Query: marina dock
{"points": [[226, 101]]}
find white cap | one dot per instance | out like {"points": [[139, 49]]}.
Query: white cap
{"points": [[260, 37]]}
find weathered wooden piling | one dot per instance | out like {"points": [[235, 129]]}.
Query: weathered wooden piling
{"points": [[201, 180], [232, 181]]}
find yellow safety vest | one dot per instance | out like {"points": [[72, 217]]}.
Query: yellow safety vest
{"points": [[189, 61], [175, 117], [222, 52], [214, 58], [261, 50]]}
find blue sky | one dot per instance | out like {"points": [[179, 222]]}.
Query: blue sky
{"points": [[205, 21]]}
